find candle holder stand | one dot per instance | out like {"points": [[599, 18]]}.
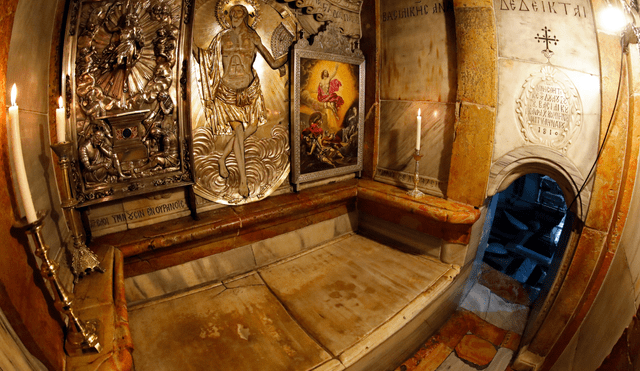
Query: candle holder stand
{"points": [[415, 192], [83, 260], [82, 336]]}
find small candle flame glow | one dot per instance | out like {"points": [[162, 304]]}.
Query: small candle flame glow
{"points": [[418, 111], [14, 93], [60, 105]]}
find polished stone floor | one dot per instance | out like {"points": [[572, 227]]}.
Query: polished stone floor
{"points": [[319, 310], [484, 332]]}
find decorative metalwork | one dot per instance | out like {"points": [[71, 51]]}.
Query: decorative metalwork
{"points": [[82, 337], [328, 108], [240, 138], [187, 11], [415, 192], [281, 40], [549, 109], [183, 79], [73, 16], [68, 94], [83, 260], [122, 96], [343, 14], [331, 41]]}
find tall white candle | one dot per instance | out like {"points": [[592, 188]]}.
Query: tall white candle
{"points": [[60, 122], [418, 130], [21, 173]]}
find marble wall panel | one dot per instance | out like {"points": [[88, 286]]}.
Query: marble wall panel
{"points": [[279, 247], [28, 68], [243, 259], [569, 28], [512, 77], [399, 236], [418, 50], [398, 140], [13, 354], [28, 63]]}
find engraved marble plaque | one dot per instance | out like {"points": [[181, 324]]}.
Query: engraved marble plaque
{"points": [[549, 109], [548, 79], [239, 99]]}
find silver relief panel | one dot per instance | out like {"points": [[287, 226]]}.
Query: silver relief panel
{"points": [[240, 98], [124, 97]]}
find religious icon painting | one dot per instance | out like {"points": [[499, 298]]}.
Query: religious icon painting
{"points": [[240, 99], [327, 114]]}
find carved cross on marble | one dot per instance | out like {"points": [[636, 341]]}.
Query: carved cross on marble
{"points": [[547, 39]]}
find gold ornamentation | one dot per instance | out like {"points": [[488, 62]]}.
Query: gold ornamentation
{"points": [[235, 159], [224, 7]]}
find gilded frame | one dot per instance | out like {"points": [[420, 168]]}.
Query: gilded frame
{"points": [[317, 154]]}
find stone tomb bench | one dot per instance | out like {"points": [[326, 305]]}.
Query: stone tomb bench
{"points": [[290, 284]]}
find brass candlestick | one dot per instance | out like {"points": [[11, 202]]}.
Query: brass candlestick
{"points": [[83, 260], [415, 192], [81, 337]]}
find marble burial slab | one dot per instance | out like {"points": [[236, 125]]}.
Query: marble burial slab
{"points": [[342, 292], [398, 141], [565, 30], [548, 106], [242, 327], [418, 68]]}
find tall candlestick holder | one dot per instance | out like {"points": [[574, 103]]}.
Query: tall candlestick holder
{"points": [[415, 192], [83, 260], [82, 338]]}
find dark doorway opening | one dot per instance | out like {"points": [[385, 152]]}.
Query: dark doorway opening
{"points": [[526, 239]]}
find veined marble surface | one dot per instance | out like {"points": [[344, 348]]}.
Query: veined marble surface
{"points": [[418, 68], [512, 76], [398, 137], [521, 33], [243, 259]]}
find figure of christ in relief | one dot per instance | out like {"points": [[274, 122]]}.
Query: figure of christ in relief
{"points": [[232, 94]]}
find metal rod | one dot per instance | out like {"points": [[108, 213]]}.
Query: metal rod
{"points": [[82, 337]]}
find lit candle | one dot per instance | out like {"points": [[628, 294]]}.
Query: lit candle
{"points": [[21, 173], [418, 130], [60, 122]]}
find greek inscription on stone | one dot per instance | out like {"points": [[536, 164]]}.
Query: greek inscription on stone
{"points": [[119, 218], [551, 7], [152, 211], [98, 223], [417, 11], [549, 110]]}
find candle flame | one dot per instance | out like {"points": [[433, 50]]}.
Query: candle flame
{"points": [[418, 111], [60, 103], [14, 93]]}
